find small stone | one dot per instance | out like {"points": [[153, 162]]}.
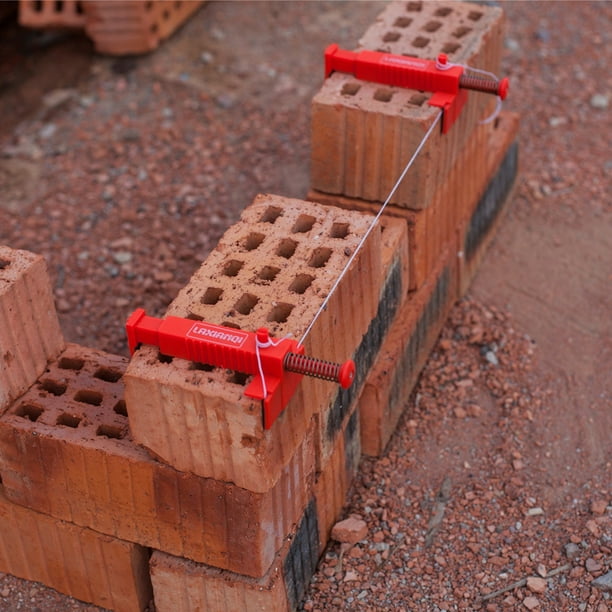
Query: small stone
{"points": [[57, 97], [5, 592], [537, 511], [350, 530], [47, 130], [557, 121], [536, 585], [491, 357], [517, 464], [599, 101], [122, 257], [599, 506], [593, 527], [460, 413], [350, 576], [592, 565], [604, 582], [541, 570], [572, 550], [531, 603]]}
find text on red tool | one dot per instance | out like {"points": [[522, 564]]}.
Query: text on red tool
{"points": [[276, 366], [449, 83]]}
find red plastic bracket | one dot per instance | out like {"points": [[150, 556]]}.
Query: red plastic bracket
{"points": [[277, 367], [448, 84]]}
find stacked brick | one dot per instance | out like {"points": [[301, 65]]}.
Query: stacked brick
{"points": [[156, 478], [118, 27]]}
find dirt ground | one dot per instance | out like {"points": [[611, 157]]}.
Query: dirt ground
{"points": [[124, 173]]}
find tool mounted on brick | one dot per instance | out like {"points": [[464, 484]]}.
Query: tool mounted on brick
{"points": [[277, 366], [448, 82]]}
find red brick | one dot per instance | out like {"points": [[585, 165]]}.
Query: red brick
{"points": [[51, 14], [433, 229], [363, 134], [91, 473], [403, 355], [196, 420], [73, 560], [125, 27], [29, 334]]}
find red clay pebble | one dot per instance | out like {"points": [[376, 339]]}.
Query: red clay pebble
{"points": [[350, 530], [536, 585], [599, 506], [531, 603]]}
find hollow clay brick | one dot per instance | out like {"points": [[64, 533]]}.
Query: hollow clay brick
{"points": [[29, 329], [51, 14], [363, 133], [181, 585], [66, 451], [126, 27], [74, 560], [273, 268], [403, 355], [481, 222], [454, 201]]}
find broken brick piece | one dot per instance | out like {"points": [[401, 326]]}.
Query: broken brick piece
{"points": [[350, 530], [364, 133], [30, 334], [66, 451], [74, 560], [273, 268]]}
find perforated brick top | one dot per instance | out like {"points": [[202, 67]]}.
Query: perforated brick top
{"points": [[273, 268]]}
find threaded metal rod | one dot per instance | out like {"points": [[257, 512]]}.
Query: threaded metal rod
{"points": [[476, 83], [319, 368]]}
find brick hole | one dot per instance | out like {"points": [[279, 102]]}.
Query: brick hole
{"points": [[4, 263], [120, 408], [268, 273], [432, 26], [303, 224], [68, 420], [461, 31], [231, 324], [202, 367], [232, 267], [177, 4], [420, 41], [237, 378], [166, 15], [110, 375], [402, 22], [253, 240], [149, 5], [383, 95], [300, 283], [350, 89], [280, 313], [339, 230], [286, 248], [53, 387], [417, 99], [154, 27], [29, 411], [496, 122], [88, 396], [246, 303], [444, 11], [450, 47], [319, 257], [391, 36], [164, 358], [110, 431], [271, 214], [79, 8], [37, 6], [213, 294], [71, 363], [474, 15], [59, 5], [414, 6]]}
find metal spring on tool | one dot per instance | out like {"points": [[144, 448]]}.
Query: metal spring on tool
{"points": [[310, 366], [476, 83]]}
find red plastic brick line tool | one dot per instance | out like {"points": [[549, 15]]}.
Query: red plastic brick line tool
{"points": [[277, 366], [448, 82]]}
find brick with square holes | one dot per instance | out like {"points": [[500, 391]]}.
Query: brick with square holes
{"points": [[29, 329], [273, 268], [66, 451], [363, 134], [74, 560]]}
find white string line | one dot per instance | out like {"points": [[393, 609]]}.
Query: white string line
{"points": [[370, 228]]}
